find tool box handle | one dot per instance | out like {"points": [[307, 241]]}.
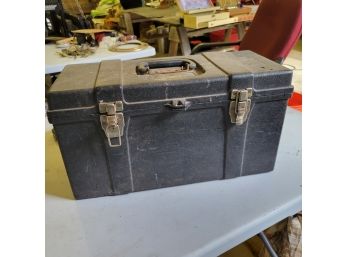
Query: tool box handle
{"points": [[181, 65]]}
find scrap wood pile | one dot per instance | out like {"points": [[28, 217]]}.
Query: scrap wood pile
{"points": [[77, 50]]}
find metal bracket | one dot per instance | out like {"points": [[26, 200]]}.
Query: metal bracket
{"points": [[112, 122], [178, 104], [240, 105], [110, 108]]}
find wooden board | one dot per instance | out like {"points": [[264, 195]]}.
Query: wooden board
{"points": [[91, 31], [169, 15], [245, 17], [239, 11], [210, 9], [65, 41], [222, 22], [197, 21]]}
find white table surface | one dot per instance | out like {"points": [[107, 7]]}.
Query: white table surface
{"points": [[203, 219], [55, 63]]}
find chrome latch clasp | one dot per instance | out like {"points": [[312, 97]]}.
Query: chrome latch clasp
{"points": [[240, 105], [112, 122]]}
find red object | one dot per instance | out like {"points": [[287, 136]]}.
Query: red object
{"points": [[296, 101], [99, 36], [276, 27], [195, 42], [218, 36]]}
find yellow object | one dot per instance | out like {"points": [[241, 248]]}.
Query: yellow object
{"points": [[57, 182], [222, 22], [91, 31], [104, 7], [201, 20]]}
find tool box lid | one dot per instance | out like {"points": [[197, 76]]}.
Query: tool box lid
{"points": [[74, 87], [136, 81], [247, 69], [158, 79]]}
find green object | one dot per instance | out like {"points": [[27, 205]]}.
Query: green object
{"points": [[103, 8]]}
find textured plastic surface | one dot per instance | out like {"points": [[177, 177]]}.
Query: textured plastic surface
{"points": [[164, 146]]}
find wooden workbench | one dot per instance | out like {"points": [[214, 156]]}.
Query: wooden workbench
{"points": [[178, 33]]}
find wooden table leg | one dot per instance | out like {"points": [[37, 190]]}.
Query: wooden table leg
{"points": [[241, 30], [228, 34], [128, 23], [160, 45], [160, 40], [173, 48], [184, 41], [173, 41]]}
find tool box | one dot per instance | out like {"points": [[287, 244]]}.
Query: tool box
{"points": [[126, 126]]}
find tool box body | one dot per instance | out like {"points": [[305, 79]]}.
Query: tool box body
{"points": [[172, 127]]}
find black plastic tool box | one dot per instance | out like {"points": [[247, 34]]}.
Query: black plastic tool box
{"points": [[125, 126]]}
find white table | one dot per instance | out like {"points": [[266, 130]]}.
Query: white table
{"points": [[203, 219], [55, 63]]}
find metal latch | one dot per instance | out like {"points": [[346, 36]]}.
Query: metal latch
{"points": [[112, 121], [240, 105]]}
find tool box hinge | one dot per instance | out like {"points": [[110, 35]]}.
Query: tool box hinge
{"points": [[112, 121], [240, 105]]}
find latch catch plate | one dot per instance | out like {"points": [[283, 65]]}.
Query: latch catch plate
{"points": [[110, 107], [112, 121], [240, 105]]}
